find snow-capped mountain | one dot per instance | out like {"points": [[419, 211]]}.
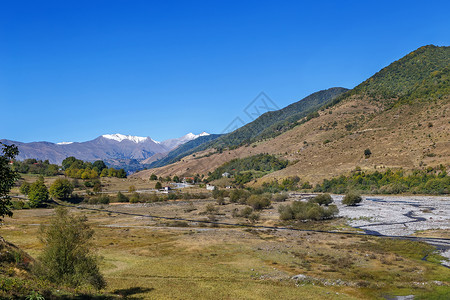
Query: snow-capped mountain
{"points": [[120, 137], [108, 147], [173, 143]]}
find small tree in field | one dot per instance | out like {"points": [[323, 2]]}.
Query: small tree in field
{"points": [[61, 188], [158, 185], [367, 153], [351, 199], [67, 258]]}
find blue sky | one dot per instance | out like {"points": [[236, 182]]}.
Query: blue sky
{"points": [[73, 70]]}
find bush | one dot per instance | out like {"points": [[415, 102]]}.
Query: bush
{"points": [[122, 198], [258, 201], [61, 188], [240, 196], [351, 199], [135, 198], [244, 213], [25, 188], [67, 258], [281, 197], [322, 199], [307, 211]]}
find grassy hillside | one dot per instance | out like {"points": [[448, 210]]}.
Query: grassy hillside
{"points": [[273, 123], [183, 150], [401, 114]]}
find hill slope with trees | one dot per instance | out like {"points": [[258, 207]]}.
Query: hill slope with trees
{"points": [[400, 114]]}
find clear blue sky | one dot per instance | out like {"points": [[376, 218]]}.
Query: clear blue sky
{"points": [[72, 70]]}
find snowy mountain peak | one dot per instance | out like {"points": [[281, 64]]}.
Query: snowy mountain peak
{"points": [[120, 137], [64, 143], [192, 136]]}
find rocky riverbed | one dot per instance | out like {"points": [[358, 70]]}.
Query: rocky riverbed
{"points": [[400, 216]]}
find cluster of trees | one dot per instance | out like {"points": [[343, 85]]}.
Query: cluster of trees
{"points": [[76, 168], [317, 208], [34, 166], [246, 169], [429, 181], [292, 183]]}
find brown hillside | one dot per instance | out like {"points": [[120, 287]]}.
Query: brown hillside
{"points": [[408, 136]]}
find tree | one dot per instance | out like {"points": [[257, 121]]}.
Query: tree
{"points": [[153, 177], [122, 198], [158, 185], [351, 199], [7, 179], [38, 193], [367, 153], [176, 179], [67, 257], [25, 188], [61, 188], [100, 165]]}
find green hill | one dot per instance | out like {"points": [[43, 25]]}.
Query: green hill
{"points": [[273, 123], [186, 149]]}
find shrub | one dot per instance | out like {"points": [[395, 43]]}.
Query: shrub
{"points": [[280, 197], [135, 198], [62, 188], [322, 199], [67, 257], [211, 209], [258, 201], [122, 198], [307, 211], [25, 188], [239, 195], [351, 199]]}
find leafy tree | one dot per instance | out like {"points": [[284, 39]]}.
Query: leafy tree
{"points": [[61, 188], [38, 193], [67, 257], [7, 179], [97, 187], [121, 174], [153, 177], [176, 179], [131, 189], [158, 185], [25, 188], [367, 153], [122, 198], [351, 199], [100, 165]]}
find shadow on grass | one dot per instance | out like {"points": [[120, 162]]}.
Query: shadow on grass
{"points": [[128, 293]]}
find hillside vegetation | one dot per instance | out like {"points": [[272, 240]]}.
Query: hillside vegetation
{"points": [[401, 114], [273, 123], [199, 144]]}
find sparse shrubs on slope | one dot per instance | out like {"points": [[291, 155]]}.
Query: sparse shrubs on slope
{"points": [[351, 199]]}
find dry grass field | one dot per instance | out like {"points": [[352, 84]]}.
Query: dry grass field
{"points": [[149, 258]]}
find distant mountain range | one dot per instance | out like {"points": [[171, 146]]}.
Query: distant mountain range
{"points": [[115, 149]]}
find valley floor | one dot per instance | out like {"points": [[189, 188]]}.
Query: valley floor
{"points": [[150, 258]]}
